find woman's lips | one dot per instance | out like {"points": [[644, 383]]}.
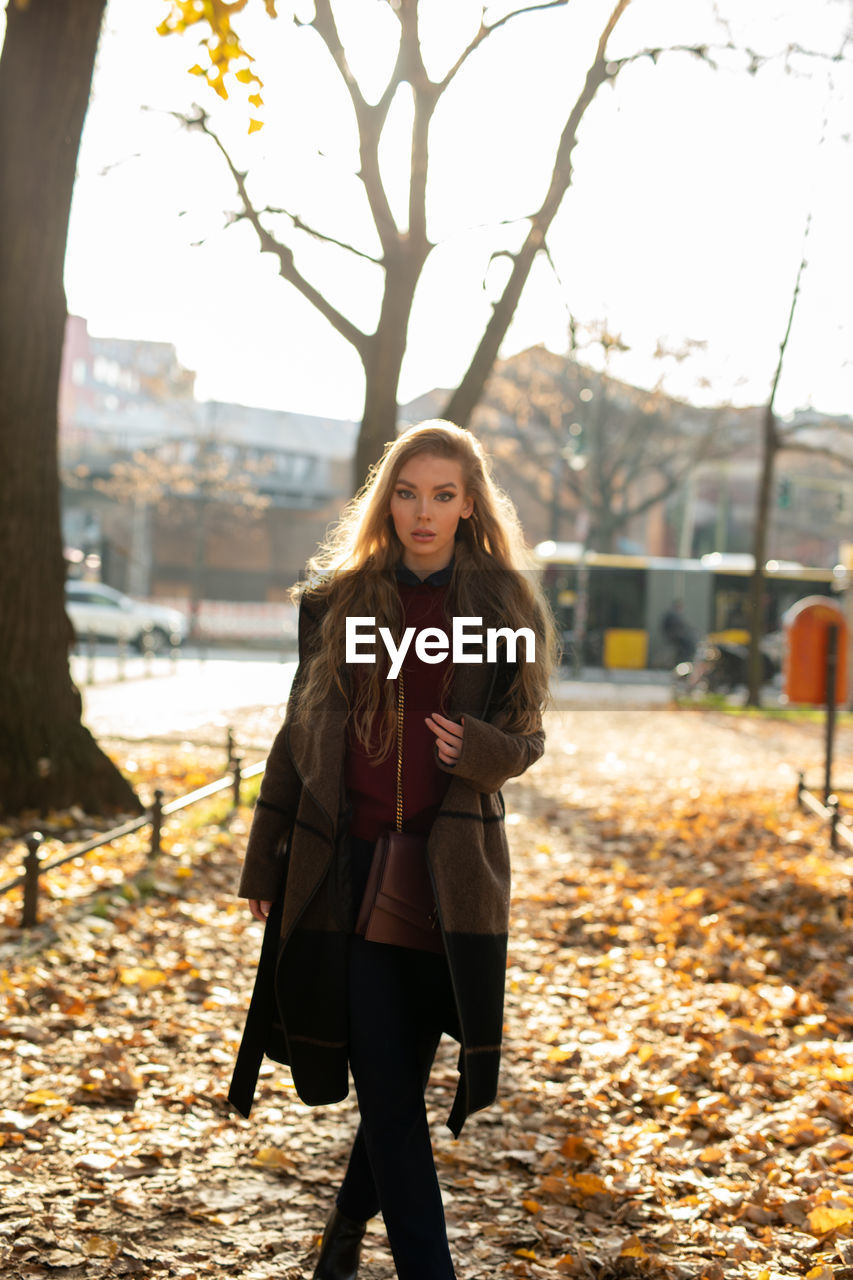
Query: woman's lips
{"points": [[423, 536]]}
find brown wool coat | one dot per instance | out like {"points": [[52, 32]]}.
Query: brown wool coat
{"points": [[298, 1013]]}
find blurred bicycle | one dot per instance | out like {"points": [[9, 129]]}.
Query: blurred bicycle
{"points": [[722, 666]]}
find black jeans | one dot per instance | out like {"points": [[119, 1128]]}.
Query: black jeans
{"points": [[400, 1000]]}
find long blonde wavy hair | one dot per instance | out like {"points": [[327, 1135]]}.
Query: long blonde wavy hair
{"points": [[494, 577]]}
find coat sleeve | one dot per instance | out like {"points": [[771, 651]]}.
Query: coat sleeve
{"points": [[278, 799], [490, 756]]}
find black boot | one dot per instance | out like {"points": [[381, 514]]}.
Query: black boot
{"points": [[341, 1248]]}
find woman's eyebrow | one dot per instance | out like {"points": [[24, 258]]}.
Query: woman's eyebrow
{"points": [[448, 484]]}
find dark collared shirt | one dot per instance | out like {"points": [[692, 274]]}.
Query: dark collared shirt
{"points": [[438, 579]]}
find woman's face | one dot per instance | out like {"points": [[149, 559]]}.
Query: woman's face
{"points": [[427, 503]]}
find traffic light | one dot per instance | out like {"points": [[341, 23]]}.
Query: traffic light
{"points": [[783, 496]]}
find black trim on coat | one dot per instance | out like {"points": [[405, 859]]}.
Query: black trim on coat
{"points": [[260, 1016], [266, 804]]}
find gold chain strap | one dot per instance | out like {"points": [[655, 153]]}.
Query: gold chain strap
{"points": [[400, 751]]}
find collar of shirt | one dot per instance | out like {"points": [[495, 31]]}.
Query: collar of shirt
{"points": [[437, 579]]}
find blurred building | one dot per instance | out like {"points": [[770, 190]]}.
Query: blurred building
{"points": [[811, 507], [181, 498], [543, 412], [223, 502], [584, 456]]}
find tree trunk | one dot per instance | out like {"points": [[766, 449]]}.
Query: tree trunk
{"points": [[47, 758], [385, 356], [769, 449]]}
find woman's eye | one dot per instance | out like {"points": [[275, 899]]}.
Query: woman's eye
{"points": [[445, 497], [404, 493]]}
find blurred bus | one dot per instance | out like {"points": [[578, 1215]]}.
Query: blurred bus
{"points": [[615, 603]]}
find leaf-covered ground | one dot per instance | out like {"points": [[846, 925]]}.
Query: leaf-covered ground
{"points": [[677, 1091]]}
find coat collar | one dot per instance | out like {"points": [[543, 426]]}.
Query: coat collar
{"points": [[438, 579]]}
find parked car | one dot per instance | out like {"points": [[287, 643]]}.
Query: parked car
{"points": [[107, 614]]}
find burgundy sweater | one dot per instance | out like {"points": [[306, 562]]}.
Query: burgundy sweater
{"points": [[371, 787]]}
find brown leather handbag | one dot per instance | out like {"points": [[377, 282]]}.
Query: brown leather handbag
{"points": [[398, 906]]}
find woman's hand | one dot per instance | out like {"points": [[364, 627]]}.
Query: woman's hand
{"points": [[448, 737], [260, 910]]}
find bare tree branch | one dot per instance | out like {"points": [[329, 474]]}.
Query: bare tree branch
{"points": [[461, 403], [485, 31], [609, 28], [769, 449], [300, 225], [369, 119], [816, 450], [673, 482], [269, 244], [709, 52], [783, 346], [701, 51], [426, 95]]}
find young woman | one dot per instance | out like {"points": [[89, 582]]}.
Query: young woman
{"points": [[429, 539]]}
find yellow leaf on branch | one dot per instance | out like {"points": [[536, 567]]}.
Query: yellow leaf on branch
{"points": [[223, 46]]}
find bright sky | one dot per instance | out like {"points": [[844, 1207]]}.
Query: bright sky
{"points": [[685, 219]]}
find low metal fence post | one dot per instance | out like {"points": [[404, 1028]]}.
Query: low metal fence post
{"points": [[34, 867], [801, 786], [29, 916], [831, 700], [156, 822], [229, 748], [832, 804], [90, 656], [238, 778]]}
